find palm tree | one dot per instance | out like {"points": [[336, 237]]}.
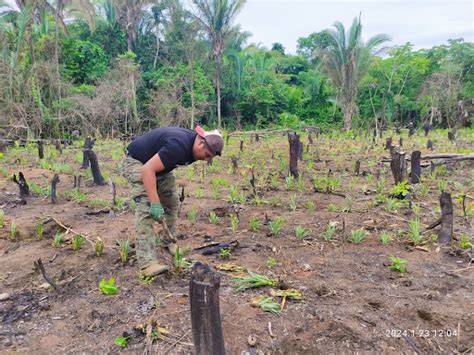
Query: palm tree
{"points": [[217, 17], [345, 61]]}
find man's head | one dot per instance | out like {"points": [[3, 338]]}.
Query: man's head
{"points": [[207, 144]]}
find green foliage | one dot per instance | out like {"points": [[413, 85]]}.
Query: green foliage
{"points": [[357, 236], [57, 239], [39, 231], [414, 231], [192, 214], [224, 253], [398, 264], [99, 247], [84, 61], [13, 230], [254, 223], [2, 218], [385, 238], [276, 225], [234, 222], [180, 263], [271, 262], [122, 341], [108, 288], [267, 305], [329, 232], [76, 242], [464, 242], [213, 219], [400, 190], [253, 280], [124, 248], [301, 233]]}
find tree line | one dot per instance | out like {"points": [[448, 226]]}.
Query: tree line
{"points": [[114, 67]]}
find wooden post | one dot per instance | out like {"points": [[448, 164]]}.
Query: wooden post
{"points": [[398, 165], [54, 182], [205, 312], [22, 184], [294, 140], [411, 129], [415, 167], [388, 143], [40, 149], [241, 145], [446, 232], [98, 178]]}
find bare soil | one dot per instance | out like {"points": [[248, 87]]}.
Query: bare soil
{"points": [[352, 301]]}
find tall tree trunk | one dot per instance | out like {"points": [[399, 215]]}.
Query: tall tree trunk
{"points": [[218, 86], [347, 111]]}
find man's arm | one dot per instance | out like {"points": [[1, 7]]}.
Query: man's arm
{"points": [[149, 171]]}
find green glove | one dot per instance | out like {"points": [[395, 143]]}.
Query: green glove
{"points": [[156, 211]]}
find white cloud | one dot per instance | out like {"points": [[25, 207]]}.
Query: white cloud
{"points": [[424, 23]]}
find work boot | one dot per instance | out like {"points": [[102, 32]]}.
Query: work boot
{"points": [[154, 269]]}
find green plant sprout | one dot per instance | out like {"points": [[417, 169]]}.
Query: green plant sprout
{"points": [[267, 304], [233, 194], [254, 223], [76, 242], [464, 242], [99, 247], [253, 280], [271, 262], [13, 230], [39, 231], [180, 263], [57, 240], [310, 206], [276, 225], [357, 236], [213, 219], [398, 264], [2, 218], [385, 238], [234, 222], [225, 253], [301, 233], [124, 248], [108, 288], [414, 231], [293, 202], [329, 232], [400, 190], [442, 186], [289, 182], [192, 214]]}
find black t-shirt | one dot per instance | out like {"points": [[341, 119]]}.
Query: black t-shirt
{"points": [[174, 145]]}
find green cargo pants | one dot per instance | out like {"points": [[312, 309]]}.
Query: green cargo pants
{"points": [[166, 186]]}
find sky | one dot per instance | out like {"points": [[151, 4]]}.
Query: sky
{"points": [[424, 23]]}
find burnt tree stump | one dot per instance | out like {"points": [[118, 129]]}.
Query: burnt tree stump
{"points": [[40, 149], [357, 167], [77, 181], [446, 232], [58, 146], [235, 164], [411, 129], [88, 145], [415, 167], [400, 142], [22, 184], [97, 175], [310, 138], [54, 182], [429, 144], [294, 140], [205, 312], [257, 137], [427, 128], [241, 145], [398, 166], [388, 143], [451, 136]]}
